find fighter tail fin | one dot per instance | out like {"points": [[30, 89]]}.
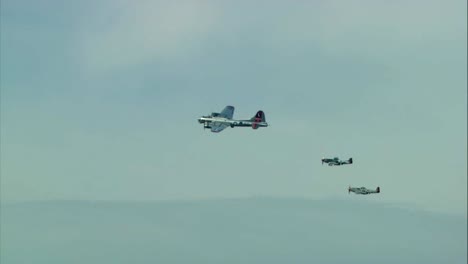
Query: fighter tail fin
{"points": [[350, 160], [378, 190]]}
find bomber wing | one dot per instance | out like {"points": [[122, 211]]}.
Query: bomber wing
{"points": [[218, 126], [228, 112]]}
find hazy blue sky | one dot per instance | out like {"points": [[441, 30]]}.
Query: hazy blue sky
{"points": [[253, 230], [99, 99]]}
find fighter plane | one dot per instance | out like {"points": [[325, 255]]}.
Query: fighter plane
{"points": [[336, 161], [217, 122], [362, 190]]}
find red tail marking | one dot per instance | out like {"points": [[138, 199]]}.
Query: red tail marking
{"points": [[256, 121]]}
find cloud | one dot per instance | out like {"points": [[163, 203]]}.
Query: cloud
{"points": [[144, 32], [372, 28], [130, 33]]}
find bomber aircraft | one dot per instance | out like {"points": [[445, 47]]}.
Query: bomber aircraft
{"points": [[217, 122], [362, 190], [336, 161]]}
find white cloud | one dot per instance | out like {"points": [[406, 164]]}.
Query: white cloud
{"points": [[372, 28], [146, 31]]}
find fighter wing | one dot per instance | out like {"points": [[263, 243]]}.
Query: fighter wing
{"points": [[228, 112], [218, 127]]}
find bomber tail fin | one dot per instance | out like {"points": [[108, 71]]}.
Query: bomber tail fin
{"points": [[378, 189], [350, 160], [259, 117]]}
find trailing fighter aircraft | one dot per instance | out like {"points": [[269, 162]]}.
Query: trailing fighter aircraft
{"points": [[336, 161], [217, 122], [362, 190]]}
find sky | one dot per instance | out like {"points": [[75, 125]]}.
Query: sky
{"points": [[240, 230], [100, 100]]}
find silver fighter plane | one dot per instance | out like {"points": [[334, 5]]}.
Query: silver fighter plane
{"points": [[362, 190], [217, 122], [336, 161]]}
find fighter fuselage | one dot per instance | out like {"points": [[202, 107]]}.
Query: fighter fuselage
{"points": [[363, 190], [336, 161]]}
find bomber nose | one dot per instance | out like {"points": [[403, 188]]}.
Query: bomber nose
{"points": [[200, 120]]}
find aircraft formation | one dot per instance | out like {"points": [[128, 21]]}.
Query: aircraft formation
{"points": [[217, 122]]}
